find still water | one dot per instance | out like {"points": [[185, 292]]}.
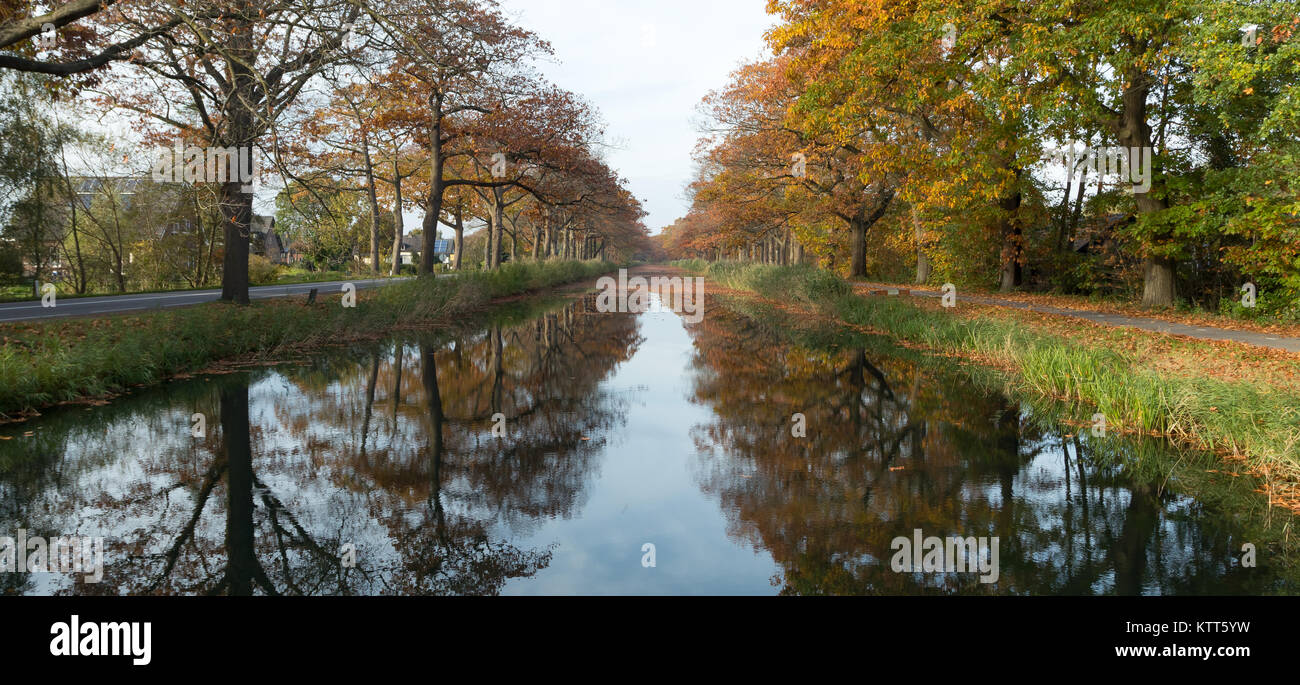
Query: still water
{"points": [[627, 439]]}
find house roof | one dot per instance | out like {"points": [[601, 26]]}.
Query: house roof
{"points": [[262, 224]]}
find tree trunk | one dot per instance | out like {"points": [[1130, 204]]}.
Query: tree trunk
{"points": [[858, 249], [923, 267], [1077, 212], [434, 208], [866, 218], [236, 214], [496, 228], [372, 196], [1012, 237], [236, 205], [1158, 282], [399, 222], [460, 238], [1132, 131]]}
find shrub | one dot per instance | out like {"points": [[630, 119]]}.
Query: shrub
{"points": [[11, 265], [261, 270]]}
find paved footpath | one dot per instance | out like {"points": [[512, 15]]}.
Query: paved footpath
{"points": [[1192, 331], [113, 304]]}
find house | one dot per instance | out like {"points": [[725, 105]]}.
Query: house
{"points": [[166, 205], [1101, 236], [413, 244], [265, 242], [294, 252], [90, 187], [180, 219]]}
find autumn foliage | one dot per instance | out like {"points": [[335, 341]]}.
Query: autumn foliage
{"points": [[918, 140]]}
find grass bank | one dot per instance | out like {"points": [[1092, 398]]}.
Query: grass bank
{"points": [[45, 363], [23, 292], [1179, 393]]}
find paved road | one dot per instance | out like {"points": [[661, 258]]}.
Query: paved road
{"points": [[1192, 331], [113, 304]]}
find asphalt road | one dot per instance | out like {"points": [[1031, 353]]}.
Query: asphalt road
{"points": [[113, 304]]}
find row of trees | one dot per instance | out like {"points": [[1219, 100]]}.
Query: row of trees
{"points": [[412, 105], [919, 138]]}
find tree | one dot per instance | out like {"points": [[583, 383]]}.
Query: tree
{"points": [[239, 66], [34, 193], [769, 168], [87, 35], [459, 57], [329, 224]]}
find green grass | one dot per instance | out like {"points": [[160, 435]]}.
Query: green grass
{"points": [[1260, 424], [49, 362], [23, 293], [292, 276]]}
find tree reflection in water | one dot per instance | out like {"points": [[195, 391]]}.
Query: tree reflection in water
{"points": [[392, 456], [894, 446], [388, 451]]}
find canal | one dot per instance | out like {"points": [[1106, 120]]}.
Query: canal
{"points": [[552, 449]]}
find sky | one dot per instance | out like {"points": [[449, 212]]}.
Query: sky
{"points": [[646, 64]]}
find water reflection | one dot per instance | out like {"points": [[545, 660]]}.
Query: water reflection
{"points": [[375, 470], [391, 461], [892, 447]]}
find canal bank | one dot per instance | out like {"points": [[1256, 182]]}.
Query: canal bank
{"points": [[1240, 403], [46, 363]]}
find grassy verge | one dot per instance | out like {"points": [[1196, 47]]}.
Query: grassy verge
{"points": [[1240, 419], [46, 363], [23, 293], [1232, 316]]}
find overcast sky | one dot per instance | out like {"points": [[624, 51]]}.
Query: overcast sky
{"points": [[646, 64]]}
